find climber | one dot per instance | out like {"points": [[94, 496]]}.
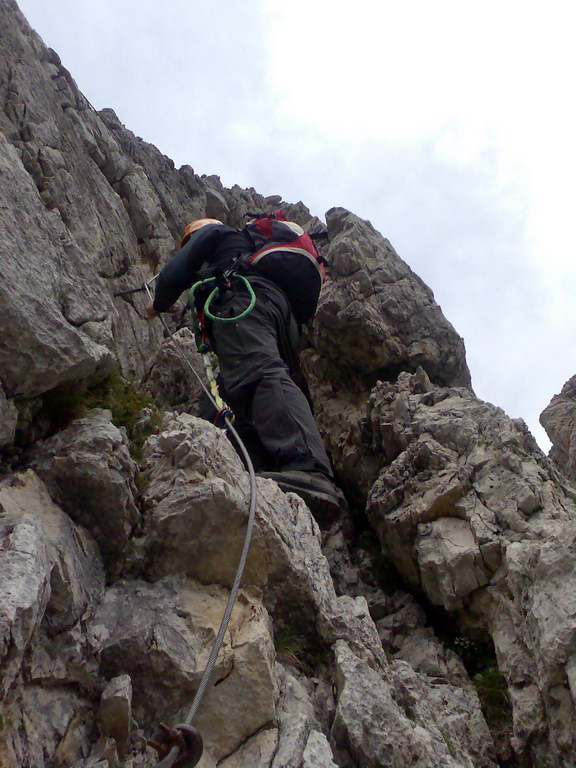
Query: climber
{"points": [[258, 352]]}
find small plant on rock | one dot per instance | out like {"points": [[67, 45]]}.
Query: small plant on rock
{"points": [[304, 654]]}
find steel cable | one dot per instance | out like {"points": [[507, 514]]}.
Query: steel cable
{"points": [[245, 549]]}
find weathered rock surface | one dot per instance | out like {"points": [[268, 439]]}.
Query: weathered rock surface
{"points": [[375, 319], [170, 378], [50, 570], [370, 721], [317, 753], [287, 564], [197, 502], [115, 712], [8, 420], [68, 235], [376, 315], [50, 576], [89, 472], [559, 421], [88, 210], [161, 635], [476, 518]]}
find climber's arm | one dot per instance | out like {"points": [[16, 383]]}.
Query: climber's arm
{"points": [[182, 270]]}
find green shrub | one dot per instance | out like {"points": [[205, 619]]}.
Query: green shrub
{"points": [[54, 410], [385, 575], [305, 654], [480, 661], [493, 695], [120, 396]]}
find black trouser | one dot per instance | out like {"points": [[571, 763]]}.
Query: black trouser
{"points": [[273, 416]]}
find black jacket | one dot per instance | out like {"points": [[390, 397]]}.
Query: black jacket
{"points": [[210, 247], [216, 245]]}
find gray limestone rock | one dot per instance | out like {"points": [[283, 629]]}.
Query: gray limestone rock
{"points": [[51, 576], [162, 634], [475, 517], [293, 573], [115, 712], [382, 727], [88, 211], [51, 570], [317, 753], [45, 726], [8, 420], [559, 421], [257, 752], [170, 379], [53, 309], [376, 315], [196, 505], [68, 241], [89, 472], [296, 719], [375, 318]]}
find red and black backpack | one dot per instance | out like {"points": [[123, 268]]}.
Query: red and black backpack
{"points": [[286, 255], [271, 232]]}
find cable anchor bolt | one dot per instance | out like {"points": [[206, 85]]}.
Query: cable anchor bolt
{"points": [[185, 738]]}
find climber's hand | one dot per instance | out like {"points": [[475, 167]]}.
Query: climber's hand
{"points": [[150, 311]]}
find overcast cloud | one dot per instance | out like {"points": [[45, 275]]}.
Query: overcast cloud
{"points": [[450, 125]]}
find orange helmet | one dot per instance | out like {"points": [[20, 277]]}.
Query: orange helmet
{"points": [[193, 226]]}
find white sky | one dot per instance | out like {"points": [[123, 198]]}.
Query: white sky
{"points": [[450, 125]]}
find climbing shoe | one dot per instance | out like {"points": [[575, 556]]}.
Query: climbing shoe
{"points": [[318, 491]]}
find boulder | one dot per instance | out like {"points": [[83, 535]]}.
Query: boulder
{"points": [[258, 751], [317, 753], [196, 505], [161, 635], [380, 726], [170, 379], [559, 421], [51, 571], [376, 315], [89, 472], [473, 515]]}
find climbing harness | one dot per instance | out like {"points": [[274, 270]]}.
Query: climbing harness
{"points": [[181, 746], [222, 283]]}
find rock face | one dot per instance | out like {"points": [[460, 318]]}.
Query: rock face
{"points": [[89, 472], [88, 211], [375, 319], [559, 421], [8, 420], [376, 316], [345, 646], [478, 520]]}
